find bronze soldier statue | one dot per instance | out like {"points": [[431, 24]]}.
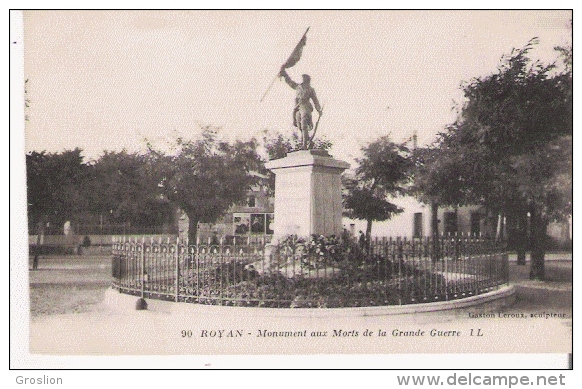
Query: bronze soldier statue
{"points": [[302, 112]]}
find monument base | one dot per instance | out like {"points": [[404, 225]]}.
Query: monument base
{"points": [[308, 194]]}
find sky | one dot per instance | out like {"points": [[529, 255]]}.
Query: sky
{"points": [[107, 80]]}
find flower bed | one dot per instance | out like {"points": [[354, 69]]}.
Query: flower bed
{"points": [[331, 273]]}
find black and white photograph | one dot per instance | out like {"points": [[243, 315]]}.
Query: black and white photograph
{"points": [[343, 188]]}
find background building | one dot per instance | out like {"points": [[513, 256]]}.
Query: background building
{"points": [[252, 218]]}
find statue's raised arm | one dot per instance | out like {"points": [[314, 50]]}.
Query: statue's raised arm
{"points": [[288, 80]]}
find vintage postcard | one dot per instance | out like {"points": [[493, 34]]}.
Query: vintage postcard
{"points": [[311, 189]]}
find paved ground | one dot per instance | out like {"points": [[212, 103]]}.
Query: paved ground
{"points": [[92, 327], [69, 284]]}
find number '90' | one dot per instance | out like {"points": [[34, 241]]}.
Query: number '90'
{"points": [[186, 333]]}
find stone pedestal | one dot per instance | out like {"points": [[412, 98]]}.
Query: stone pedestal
{"points": [[308, 198]]}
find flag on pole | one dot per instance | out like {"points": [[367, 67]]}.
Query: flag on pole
{"points": [[296, 54], [291, 61]]}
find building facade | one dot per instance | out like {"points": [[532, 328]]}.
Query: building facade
{"points": [[250, 219], [415, 221], [253, 220]]}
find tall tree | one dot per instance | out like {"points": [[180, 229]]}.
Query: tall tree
{"points": [[125, 187], [55, 184], [205, 177], [512, 143], [54, 190], [384, 170]]}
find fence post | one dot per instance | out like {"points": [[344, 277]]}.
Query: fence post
{"points": [[399, 257], [141, 304], [446, 260], [114, 271], [222, 270], [197, 256], [143, 268], [177, 259]]}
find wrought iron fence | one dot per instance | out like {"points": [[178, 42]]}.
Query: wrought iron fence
{"points": [[321, 272]]}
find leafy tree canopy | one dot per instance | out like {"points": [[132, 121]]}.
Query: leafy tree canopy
{"points": [[55, 185], [512, 141], [384, 170], [125, 187], [206, 176]]}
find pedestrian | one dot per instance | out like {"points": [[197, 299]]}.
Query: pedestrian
{"points": [[362, 240]]}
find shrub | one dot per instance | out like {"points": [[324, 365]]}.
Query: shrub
{"points": [[318, 251], [86, 241]]}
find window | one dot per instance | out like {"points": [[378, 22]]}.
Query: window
{"points": [[258, 223], [241, 223], [417, 228], [251, 202], [450, 223], [475, 223], [253, 223]]}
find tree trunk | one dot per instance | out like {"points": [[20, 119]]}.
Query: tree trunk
{"points": [[538, 245], [434, 208], [517, 235], [499, 236], [368, 233], [192, 229], [521, 237]]}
